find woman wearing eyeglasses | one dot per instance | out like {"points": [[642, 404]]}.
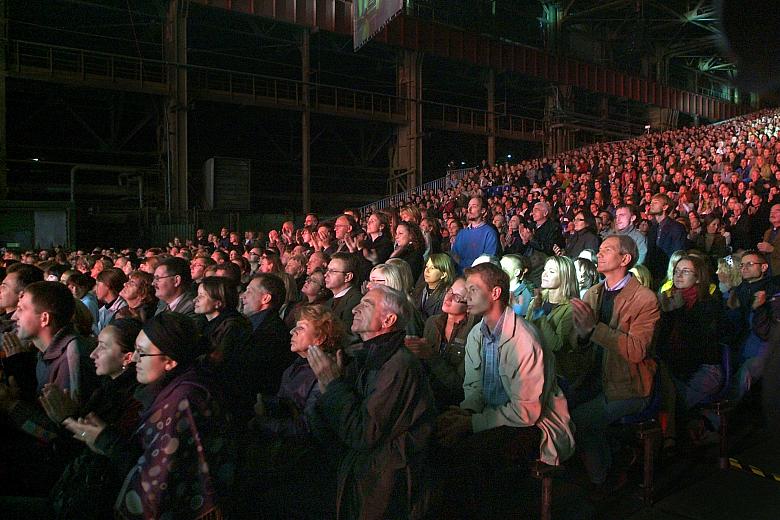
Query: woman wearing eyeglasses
{"points": [[443, 346], [583, 237], [689, 334], [176, 460]]}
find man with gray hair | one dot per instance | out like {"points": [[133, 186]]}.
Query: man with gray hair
{"points": [[547, 234], [377, 413]]}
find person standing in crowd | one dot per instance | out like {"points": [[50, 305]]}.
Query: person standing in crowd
{"points": [[618, 318], [770, 245], [479, 238], [625, 219], [666, 236], [379, 411]]}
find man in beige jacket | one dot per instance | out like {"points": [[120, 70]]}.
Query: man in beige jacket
{"points": [[618, 318], [513, 409]]}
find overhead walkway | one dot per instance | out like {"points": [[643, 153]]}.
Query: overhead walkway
{"points": [[82, 67]]}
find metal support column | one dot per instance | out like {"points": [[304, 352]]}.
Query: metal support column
{"points": [[306, 123], [408, 148], [3, 134], [175, 47], [491, 116], [552, 22]]}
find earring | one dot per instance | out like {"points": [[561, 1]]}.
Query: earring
{"points": [[124, 366]]}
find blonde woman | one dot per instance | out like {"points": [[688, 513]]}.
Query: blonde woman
{"points": [[551, 312], [393, 275], [642, 275]]}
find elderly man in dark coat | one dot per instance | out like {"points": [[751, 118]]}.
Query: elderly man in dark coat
{"points": [[379, 411]]}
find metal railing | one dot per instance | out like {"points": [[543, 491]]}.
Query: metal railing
{"points": [[79, 64], [242, 85], [434, 185], [476, 119], [29, 58]]}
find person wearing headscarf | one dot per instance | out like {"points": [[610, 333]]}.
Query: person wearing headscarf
{"points": [[179, 458]]}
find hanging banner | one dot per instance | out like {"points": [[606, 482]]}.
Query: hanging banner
{"points": [[370, 16]]}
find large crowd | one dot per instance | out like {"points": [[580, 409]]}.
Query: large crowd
{"points": [[396, 363]]}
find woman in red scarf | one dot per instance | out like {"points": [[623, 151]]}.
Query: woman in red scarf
{"points": [[690, 329]]}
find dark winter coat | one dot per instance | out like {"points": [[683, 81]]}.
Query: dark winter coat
{"points": [[381, 414]]}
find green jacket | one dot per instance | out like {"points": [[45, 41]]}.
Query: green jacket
{"points": [[556, 330]]}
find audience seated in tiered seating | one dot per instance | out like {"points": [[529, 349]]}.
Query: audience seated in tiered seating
{"points": [[596, 280]]}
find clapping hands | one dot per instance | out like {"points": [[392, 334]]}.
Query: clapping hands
{"points": [[57, 403]]}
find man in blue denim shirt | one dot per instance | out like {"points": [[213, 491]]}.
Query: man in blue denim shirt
{"points": [[513, 410]]}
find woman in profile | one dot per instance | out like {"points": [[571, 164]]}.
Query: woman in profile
{"points": [[551, 312], [177, 462], [87, 489], [282, 458]]}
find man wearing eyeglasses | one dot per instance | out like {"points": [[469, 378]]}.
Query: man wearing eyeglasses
{"points": [[341, 279], [198, 268], [749, 296], [173, 287]]}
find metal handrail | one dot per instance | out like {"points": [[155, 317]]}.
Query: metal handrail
{"points": [[86, 62], [435, 185], [477, 118]]}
